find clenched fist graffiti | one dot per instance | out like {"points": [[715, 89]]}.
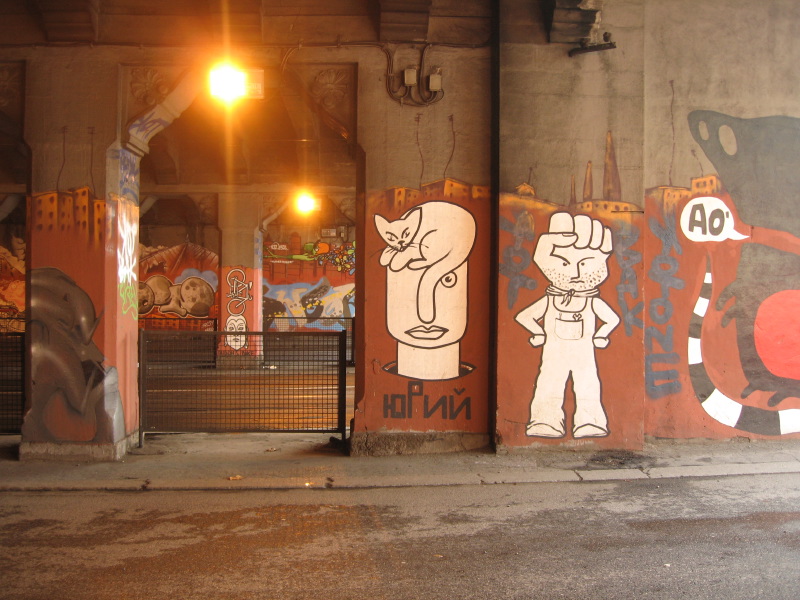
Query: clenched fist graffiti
{"points": [[573, 256]]}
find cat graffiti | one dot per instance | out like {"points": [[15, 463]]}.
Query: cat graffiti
{"points": [[573, 256], [426, 287]]}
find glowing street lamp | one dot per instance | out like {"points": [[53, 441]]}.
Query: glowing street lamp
{"points": [[227, 82], [305, 203]]}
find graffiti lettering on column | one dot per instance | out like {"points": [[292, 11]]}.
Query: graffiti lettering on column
{"points": [[239, 295], [426, 287], [126, 260], [148, 124], [628, 281], [128, 175], [573, 255], [517, 258], [660, 382], [446, 407]]}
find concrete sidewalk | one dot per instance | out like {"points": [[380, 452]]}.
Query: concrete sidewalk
{"points": [[298, 461]]}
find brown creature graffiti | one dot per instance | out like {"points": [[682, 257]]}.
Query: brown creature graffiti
{"points": [[74, 397]]}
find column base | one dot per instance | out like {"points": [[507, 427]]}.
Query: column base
{"points": [[390, 444], [89, 452]]}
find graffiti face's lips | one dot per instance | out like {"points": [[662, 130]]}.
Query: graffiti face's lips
{"points": [[421, 332]]}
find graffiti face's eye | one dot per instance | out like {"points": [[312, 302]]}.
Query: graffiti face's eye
{"points": [[449, 280]]}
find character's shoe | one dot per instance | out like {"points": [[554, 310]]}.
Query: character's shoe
{"points": [[589, 430], [543, 430]]}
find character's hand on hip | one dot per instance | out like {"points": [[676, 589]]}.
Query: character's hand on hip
{"points": [[537, 340], [600, 342]]}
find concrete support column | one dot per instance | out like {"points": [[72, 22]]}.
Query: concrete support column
{"points": [[83, 319], [240, 271]]}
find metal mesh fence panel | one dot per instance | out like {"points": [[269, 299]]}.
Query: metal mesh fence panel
{"points": [[198, 381], [288, 324], [12, 382]]}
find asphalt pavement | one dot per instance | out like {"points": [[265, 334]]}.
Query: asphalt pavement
{"points": [[315, 461]]}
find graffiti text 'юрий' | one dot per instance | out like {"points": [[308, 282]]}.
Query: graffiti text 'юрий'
{"points": [[401, 406], [661, 382]]}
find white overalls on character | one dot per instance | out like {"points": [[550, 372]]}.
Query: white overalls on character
{"points": [[573, 257]]}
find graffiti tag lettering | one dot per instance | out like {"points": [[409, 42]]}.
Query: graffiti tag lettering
{"points": [[128, 175], [401, 406], [516, 258], [709, 219], [628, 281], [126, 261], [661, 382]]}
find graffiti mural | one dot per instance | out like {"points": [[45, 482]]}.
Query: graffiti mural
{"points": [[579, 341], [128, 228], [426, 286], [428, 251], [309, 285], [737, 345], [239, 300], [12, 263], [73, 395], [319, 305], [572, 255], [178, 282]]}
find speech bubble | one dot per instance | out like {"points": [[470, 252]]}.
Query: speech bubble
{"points": [[708, 219]]}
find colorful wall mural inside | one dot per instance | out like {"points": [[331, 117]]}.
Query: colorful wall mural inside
{"points": [[428, 334], [309, 285], [732, 258], [178, 282], [13, 248]]}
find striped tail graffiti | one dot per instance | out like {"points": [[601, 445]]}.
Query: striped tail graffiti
{"points": [[717, 405]]}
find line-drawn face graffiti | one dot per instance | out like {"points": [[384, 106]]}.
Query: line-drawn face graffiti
{"points": [[573, 256], [236, 323], [426, 286]]}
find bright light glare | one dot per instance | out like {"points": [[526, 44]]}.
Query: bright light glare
{"points": [[227, 82], [306, 203]]}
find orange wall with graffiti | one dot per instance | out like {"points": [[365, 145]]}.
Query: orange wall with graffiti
{"points": [[569, 366], [82, 294], [426, 320]]}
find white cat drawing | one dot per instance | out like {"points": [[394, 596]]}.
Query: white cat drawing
{"points": [[436, 236]]}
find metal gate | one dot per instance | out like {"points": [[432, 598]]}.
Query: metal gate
{"points": [[12, 375], [223, 381]]}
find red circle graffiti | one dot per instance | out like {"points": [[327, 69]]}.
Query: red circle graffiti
{"points": [[777, 333]]}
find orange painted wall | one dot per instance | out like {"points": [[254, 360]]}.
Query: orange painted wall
{"points": [[83, 313], [394, 402]]}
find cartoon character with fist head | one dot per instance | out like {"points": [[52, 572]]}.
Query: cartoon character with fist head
{"points": [[573, 256]]}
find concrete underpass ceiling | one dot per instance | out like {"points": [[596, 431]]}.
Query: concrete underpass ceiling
{"points": [[189, 22], [301, 133]]}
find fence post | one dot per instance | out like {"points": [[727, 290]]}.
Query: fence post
{"points": [[343, 383], [142, 384]]}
